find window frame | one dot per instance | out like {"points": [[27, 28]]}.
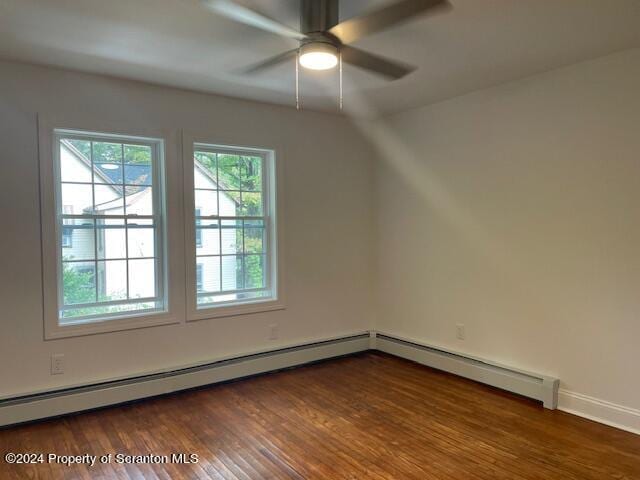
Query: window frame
{"points": [[173, 304], [272, 194]]}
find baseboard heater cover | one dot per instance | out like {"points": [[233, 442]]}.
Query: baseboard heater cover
{"points": [[528, 384], [77, 399]]}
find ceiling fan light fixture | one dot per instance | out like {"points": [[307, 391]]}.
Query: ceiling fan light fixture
{"points": [[318, 56]]}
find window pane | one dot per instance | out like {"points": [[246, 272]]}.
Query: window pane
{"points": [[208, 238], [229, 203], [137, 155], [78, 282], [229, 171], [254, 271], [78, 197], [251, 204], [139, 200], [207, 202], [199, 280], [198, 222], [204, 170], [131, 190], [232, 272], [253, 236], [204, 301], [107, 152], [251, 173], [77, 240], [68, 314], [67, 237], [141, 242], [231, 233], [110, 173], [142, 278], [74, 165], [252, 295], [79, 147], [112, 280], [210, 267], [138, 174], [111, 239], [109, 200]]}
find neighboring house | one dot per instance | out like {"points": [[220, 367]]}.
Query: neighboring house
{"points": [[207, 240], [110, 199]]}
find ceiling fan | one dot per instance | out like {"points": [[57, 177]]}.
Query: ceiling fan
{"points": [[324, 40]]}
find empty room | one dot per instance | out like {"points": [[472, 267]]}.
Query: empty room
{"points": [[320, 239]]}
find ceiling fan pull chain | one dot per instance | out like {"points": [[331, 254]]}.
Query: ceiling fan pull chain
{"points": [[297, 80], [340, 74]]}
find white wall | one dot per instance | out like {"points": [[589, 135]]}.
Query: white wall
{"points": [[328, 221], [515, 211]]}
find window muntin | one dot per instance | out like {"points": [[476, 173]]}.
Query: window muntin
{"points": [[232, 226], [114, 265]]}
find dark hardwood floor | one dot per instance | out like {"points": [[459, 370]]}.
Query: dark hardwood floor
{"points": [[369, 416]]}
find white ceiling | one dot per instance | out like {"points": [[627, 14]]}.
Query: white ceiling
{"points": [[178, 42]]}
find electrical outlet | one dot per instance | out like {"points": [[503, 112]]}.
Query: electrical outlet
{"points": [[57, 364], [273, 331], [460, 333]]}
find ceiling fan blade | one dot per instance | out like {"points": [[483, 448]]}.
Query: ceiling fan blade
{"points": [[373, 63], [268, 63], [243, 14], [378, 20]]}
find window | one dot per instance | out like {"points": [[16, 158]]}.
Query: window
{"points": [[234, 226], [109, 221]]}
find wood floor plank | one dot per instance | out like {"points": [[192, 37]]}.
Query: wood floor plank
{"points": [[367, 416]]}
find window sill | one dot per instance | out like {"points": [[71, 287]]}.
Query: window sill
{"points": [[236, 310], [108, 326]]}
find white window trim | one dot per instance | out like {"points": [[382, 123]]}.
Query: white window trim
{"points": [[173, 271], [274, 157]]}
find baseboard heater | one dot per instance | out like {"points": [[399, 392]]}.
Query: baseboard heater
{"points": [[88, 397], [528, 384], [77, 399]]}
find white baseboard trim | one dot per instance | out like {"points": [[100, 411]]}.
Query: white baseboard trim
{"points": [[88, 397], [529, 384], [601, 411]]}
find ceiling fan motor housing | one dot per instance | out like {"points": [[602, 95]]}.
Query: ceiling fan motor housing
{"points": [[318, 15]]}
